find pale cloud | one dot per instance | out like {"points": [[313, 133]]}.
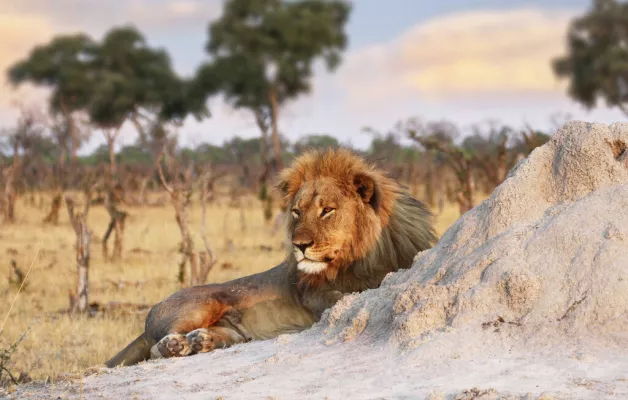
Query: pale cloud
{"points": [[19, 33], [172, 13], [474, 53], [27, 23], [96, 16]]}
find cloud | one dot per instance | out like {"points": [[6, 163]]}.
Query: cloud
{"points": [[173, 13], [27, 23], [474, 53], [19, 33], [96, 16]]}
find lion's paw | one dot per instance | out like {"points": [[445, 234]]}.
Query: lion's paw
{"points": [[173, 345], [203, 341]]}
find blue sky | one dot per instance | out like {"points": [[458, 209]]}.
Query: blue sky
{"points": [[462, 60]]}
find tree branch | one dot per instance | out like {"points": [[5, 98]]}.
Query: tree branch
{"points": [[162, 178], [204, 228], [69, 202]]}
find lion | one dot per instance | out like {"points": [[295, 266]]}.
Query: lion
{"points": [[349, 225]]}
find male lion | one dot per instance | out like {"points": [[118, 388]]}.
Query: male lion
{"points": [[349, 226]]}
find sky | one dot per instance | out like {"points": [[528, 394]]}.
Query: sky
{"points": [[467, 61]]}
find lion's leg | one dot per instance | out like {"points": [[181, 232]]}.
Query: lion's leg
{"points": [[191, 334], [215, 337]]}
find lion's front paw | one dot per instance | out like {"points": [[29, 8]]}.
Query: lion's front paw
{"points": [[172, 345], [203, 341]]}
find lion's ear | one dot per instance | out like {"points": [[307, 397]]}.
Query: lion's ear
{"points": [[365, 186], [282, 187], [281, 184]]}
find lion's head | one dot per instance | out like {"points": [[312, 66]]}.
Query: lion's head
{"points": [[338, 207]]}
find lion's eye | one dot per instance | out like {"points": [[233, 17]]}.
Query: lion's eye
{"points": [[326, 211], [296, 213]]}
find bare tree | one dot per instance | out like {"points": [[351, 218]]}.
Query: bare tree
{"points": [[440, 137], [79, 224], [26, 136], [532, 139], [53, 215], [207, 260], [117, 221], [488, 149], [9, 193], [180, 191]]}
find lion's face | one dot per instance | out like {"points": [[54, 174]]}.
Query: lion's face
{"points": [[332, 224], [338, 206]]}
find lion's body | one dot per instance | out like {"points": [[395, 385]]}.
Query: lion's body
{"points": [[367, 238]]}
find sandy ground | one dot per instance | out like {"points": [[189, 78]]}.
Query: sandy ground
{"points": [[302, 367], [525, 297]]}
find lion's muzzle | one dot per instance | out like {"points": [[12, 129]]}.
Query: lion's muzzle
{"points": [[306, 263]]}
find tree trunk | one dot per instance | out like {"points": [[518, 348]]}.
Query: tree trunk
{"points": [[429, 185], [112, 157], [467, 188], [82, 265], [116, 225], [55, 207], [274, 105], [62, 157], [142, 191], [206, 263], [79, 223], [10, 196], [261, 124], [502, 168], [118, 240], [73, 133], [187, 245], [74, 151], [264, 196], [111, 136], [75, 140]]}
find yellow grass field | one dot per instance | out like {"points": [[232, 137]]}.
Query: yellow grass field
{"points": [[57, 344]]}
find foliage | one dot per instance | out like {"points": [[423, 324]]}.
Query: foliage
{"points": [[267, 44], [596, 61], [131, 76], [118, 79], [315, 142], [263, 54], [63, 65]]}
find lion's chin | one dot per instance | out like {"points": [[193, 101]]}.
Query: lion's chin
{"points": [[311, 267]]}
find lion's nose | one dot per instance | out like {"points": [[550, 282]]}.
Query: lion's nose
{"points": [[302, 245]]}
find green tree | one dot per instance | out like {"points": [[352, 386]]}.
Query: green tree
{"points": [[206, 152], [315, 142], [134, 155], [64, 66], [136, 82], [596, 61], [263, 53]]}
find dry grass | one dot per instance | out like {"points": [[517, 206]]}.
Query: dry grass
{"points": [[58, 344]]}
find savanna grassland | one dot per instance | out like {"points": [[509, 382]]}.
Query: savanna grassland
{"points": [[57, 344]]}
